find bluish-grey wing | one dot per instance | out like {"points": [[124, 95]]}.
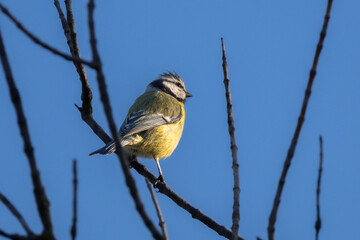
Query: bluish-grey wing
{"points": [[141, 121]]}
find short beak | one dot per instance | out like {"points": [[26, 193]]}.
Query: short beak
{"points": [[188, 94]]}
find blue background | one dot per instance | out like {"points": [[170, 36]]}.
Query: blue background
{"points": [[270, 47]]}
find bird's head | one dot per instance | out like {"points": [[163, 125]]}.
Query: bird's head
{"points": [[170, 83]]}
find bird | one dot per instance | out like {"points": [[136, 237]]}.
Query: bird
{"points": [[154, 123]]}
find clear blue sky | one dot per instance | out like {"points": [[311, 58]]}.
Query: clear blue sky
{"points": [[270, 47]]}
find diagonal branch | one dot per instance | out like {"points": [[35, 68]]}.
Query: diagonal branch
{"points": [[75, 191], [16, 214], [291, 151], [195, 213], [41, 199], [41, 43], [318, 218], [13, 236], [234, 148], [162, 223], [108, 112]]}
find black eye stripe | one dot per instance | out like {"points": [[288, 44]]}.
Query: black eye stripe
{"points": [[160, 83], [176, 83], [167, 82]]}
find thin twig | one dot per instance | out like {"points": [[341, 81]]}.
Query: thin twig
{"points": [[41, 43], [162, 223], [108, 112], [291, 151], [318, 218], [16, 214], [42, 201], [75, 187], [234, 148]]}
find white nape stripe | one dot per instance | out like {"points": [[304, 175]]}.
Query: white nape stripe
{"points": [[151, 88]]}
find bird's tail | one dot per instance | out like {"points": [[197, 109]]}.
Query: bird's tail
{"points": [[107, 149]]}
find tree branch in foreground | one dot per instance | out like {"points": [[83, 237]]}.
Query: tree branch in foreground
{"points": [[318, 218], [234, 148], [108, 112], [41, 199], [291, 151]]}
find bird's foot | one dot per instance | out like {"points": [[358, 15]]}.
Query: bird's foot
{"points": [[160, 179]]}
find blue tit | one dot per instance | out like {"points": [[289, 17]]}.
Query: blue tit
{"points": [[155, 122]]}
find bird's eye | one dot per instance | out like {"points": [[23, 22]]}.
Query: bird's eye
{"points": [[179, 85]]}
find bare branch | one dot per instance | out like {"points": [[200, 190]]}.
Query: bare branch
{"points": [[234, 148], [42, 201], [195, 213], [318, 218], [13, 236], [162, 223], [70, 34], [86, 94], [108, 112], [75, 186], [301, 119], [16, 214], [41, 43]]}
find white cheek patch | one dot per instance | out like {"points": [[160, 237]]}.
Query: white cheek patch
{"points": [[180, 93]]}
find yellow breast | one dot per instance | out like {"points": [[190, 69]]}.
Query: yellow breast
{"points": [[160, 141]]}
